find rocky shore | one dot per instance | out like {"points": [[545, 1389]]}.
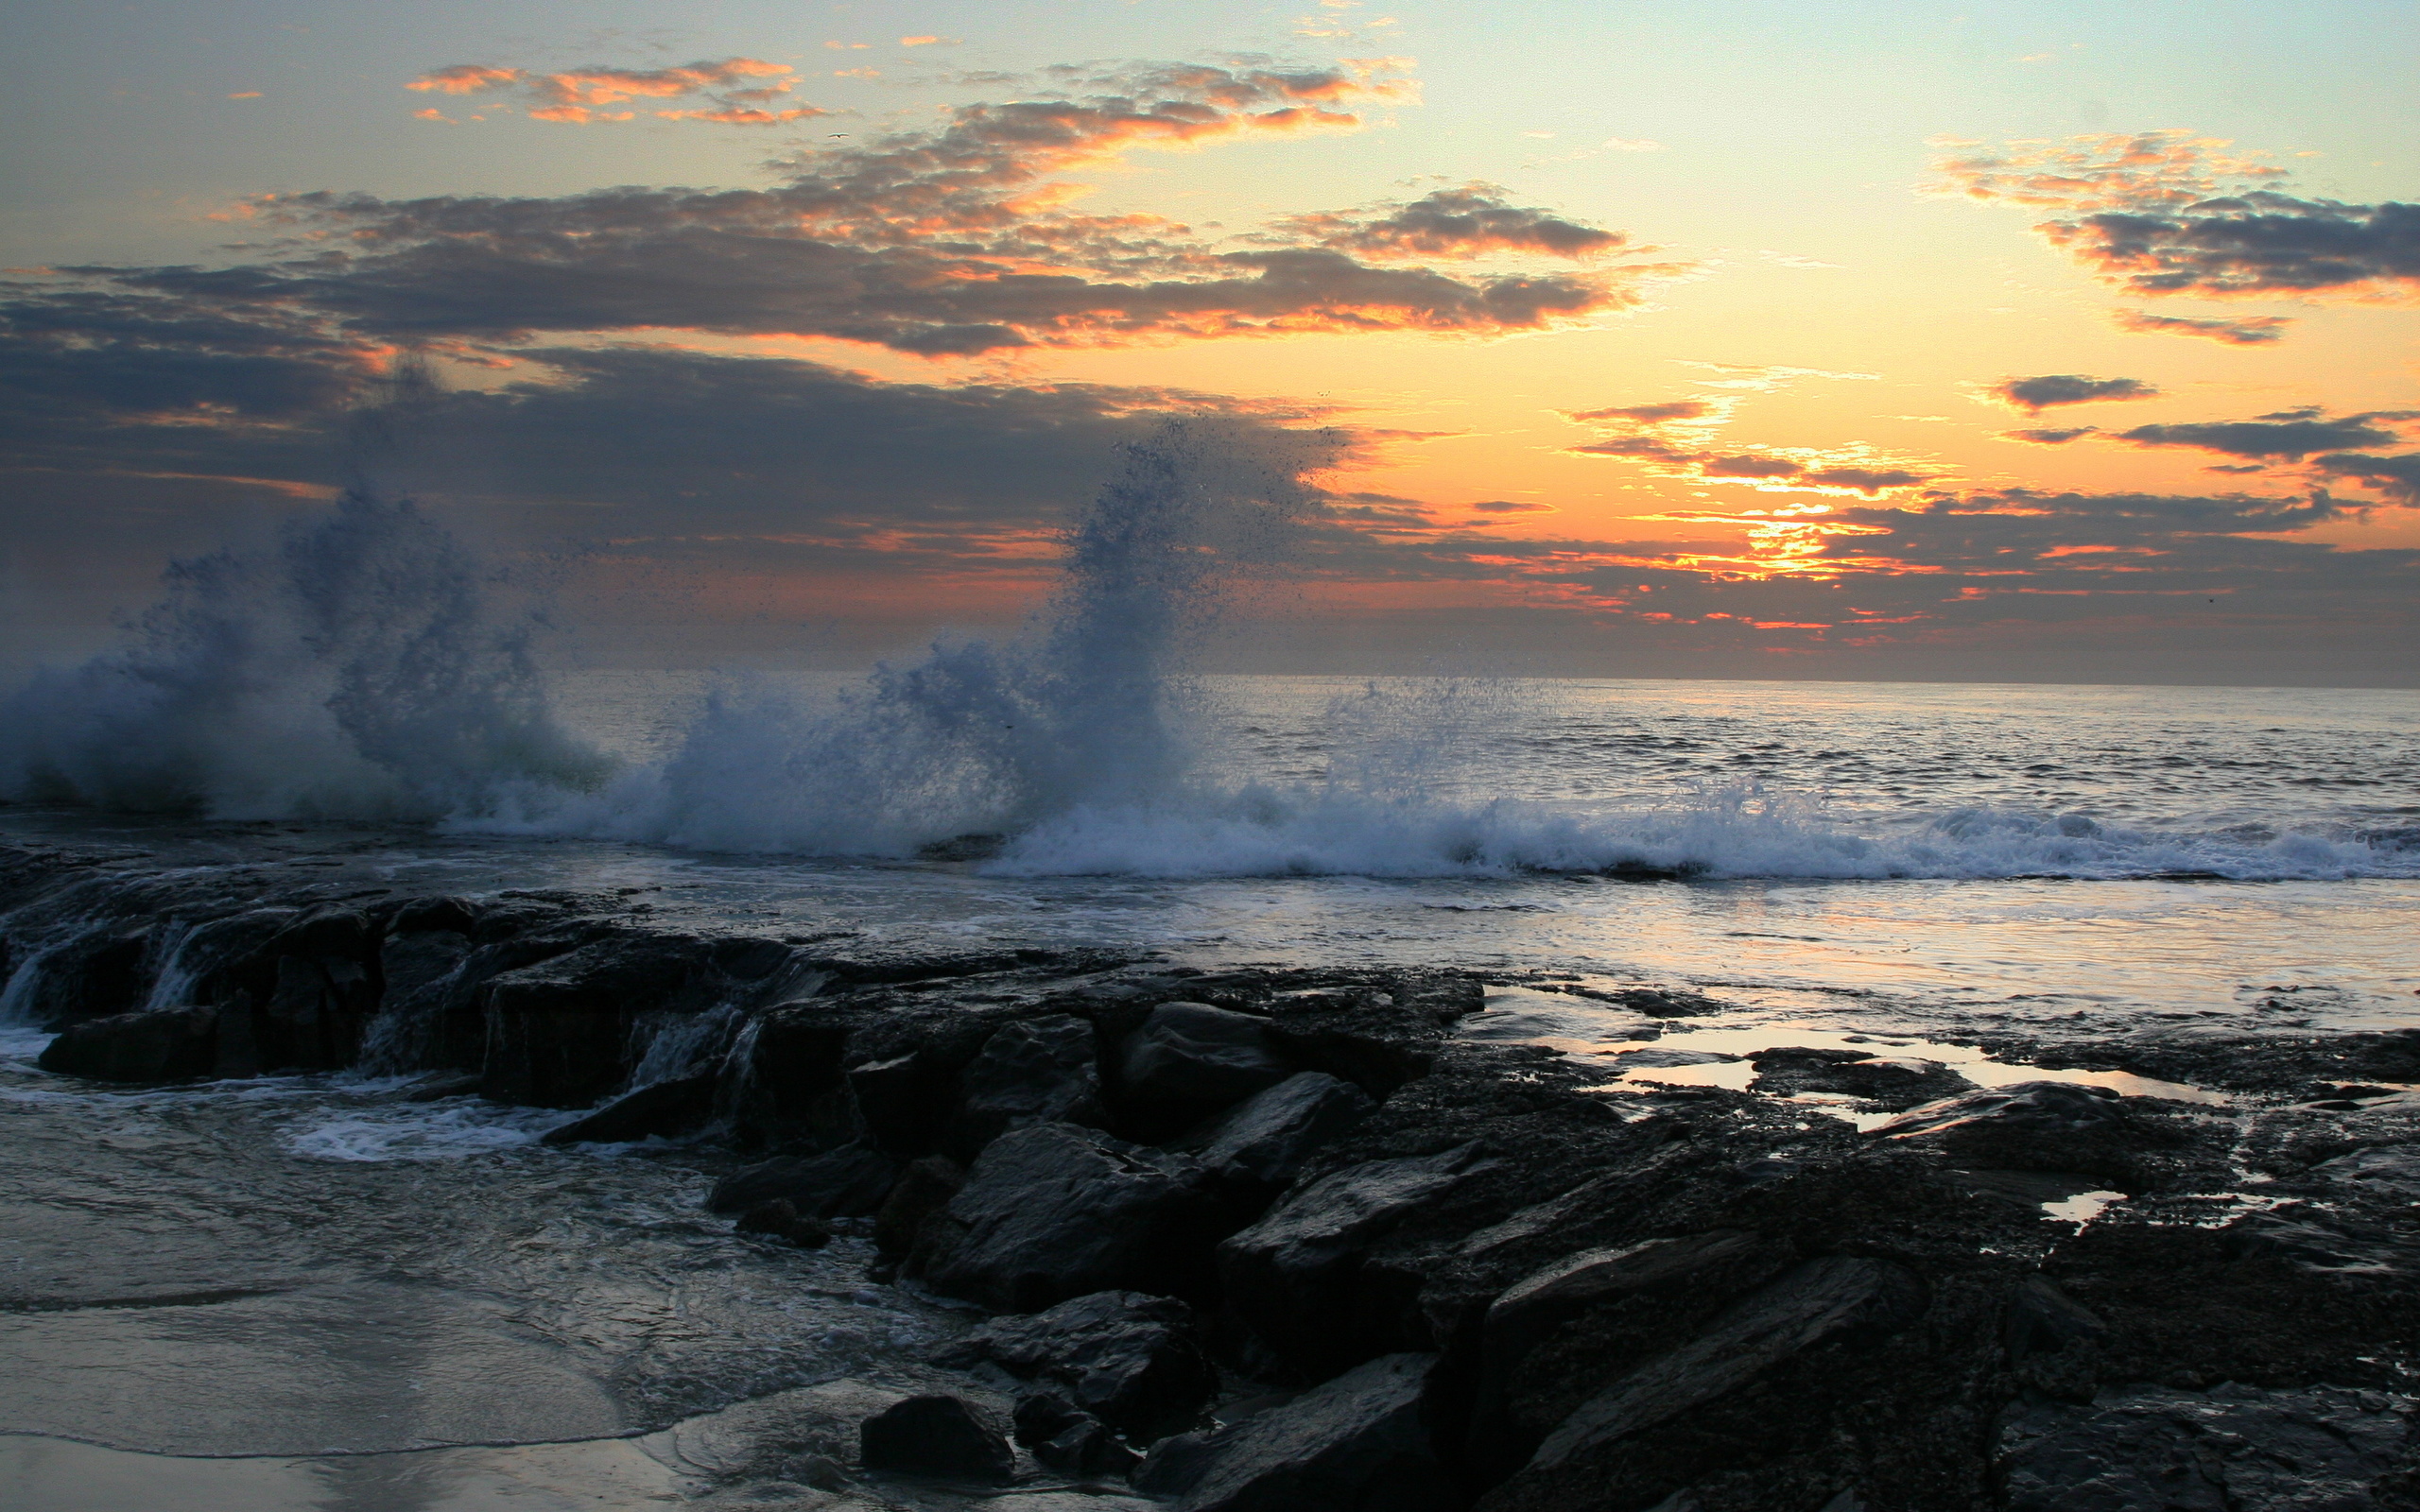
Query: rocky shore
{"points": [[1276, 1239]]}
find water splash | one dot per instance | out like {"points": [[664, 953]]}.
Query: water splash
{"points": [[357, 669]]}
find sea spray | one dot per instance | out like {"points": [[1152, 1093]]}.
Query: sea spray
{"points": [[360, 668], [979, 741]]}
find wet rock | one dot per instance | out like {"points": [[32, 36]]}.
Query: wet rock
{"points": [[1065, 1438], [1189, 1059], [1832, 1298], [2042, 1125], [1657, 1274], [414, 963], [2053, 1341], [2383, 1173], [1665, 1003], [903, 1102], [1135, 1362], [1055, 1210], [2328, 1247], [2235, 1449], [559, 1031], [924, 1190], [667, 1108], [1263, 1141], [779, 1218], [1376, 1040], [438, 1086], [99, 976], [849, 1182], [792, 1090], [939, 1436], [1296, 1277], [317, 1010], [1034, 1071], [164, 1044], [440, 915], [338, 931], [1894, 1081], [1354, 1442]]}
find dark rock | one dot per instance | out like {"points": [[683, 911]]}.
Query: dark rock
{"points": [[790, 1087], [98, 976], [1069, 1440], [318, 1008], [936, 1435], [438, 1087], [1833, 1298], [1354, 1442], [1189, 1059], [1296, 1277], [2040, 1126], [903, 1102], [163, 1044], [454, 916], [849, 1182], [924, 1190], [1053, 1211], [2383, 1173], [1658, 1274], [1263, 1141], [2053, 1341], [1664, 1003], [2235, 1449], [414, 963], [1033, 1071], [779, 1218], [1376, 1040], [1135, 1362], [667, 1108], [346, 933], [558, 1032], [1894, 1081], [2337, 1248]]}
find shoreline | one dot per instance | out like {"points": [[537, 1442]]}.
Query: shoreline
{"points": [[1468, 1271]]}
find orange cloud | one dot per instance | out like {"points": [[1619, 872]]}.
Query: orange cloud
{"points": [[572, 96]]}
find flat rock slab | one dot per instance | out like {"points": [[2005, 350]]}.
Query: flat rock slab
{"points": [[2236, 1449], [1355, 1441]]}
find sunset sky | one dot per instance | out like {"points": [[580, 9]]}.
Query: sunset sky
{"points": [[2028, 341]]}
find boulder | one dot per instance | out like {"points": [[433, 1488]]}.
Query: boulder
{"points": [[2037, 1126], [1837, 1296], [1136, 1362], [559, 1031], [1296, 1278], [2233, 1449], [97, 975], [163, 1044], [1189, 1060], [316, 1009], [936, 1435], [924, 1190], [778, 1218], [903, 1102], [1262, 1141], [1355, 1442], [1055, 1210], [1657, 1272], [1894, 1081], [667, 1108], [1065, 1438], [1033, 1071], [849, 1182]]}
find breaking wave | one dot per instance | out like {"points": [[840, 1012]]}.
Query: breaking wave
{"points": [[363, 669]]}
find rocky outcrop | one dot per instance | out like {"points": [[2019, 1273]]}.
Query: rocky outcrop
{"points": [[936, 1435], [1354, 1442], [1136, 1362], [1189, 1060], [2233, 1449], [1054, 1210], [1261, 1143]]}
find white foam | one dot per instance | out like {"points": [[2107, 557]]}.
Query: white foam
{"points": [[452, 1130]]}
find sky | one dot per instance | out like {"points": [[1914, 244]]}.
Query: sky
{"points": [[2026, 342]]}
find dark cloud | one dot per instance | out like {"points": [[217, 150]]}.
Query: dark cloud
{"points": [[939, 243], [2247, 331], [1513, 507], [1464, 222], [2051, 436], [2398, 477], [2034, 395], [2165, 213], [1662, 414], [2292, 435]]}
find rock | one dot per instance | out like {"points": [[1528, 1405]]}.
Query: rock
{"points": [[674, 1107], [1823, 1299], [1263, 1139], [921, 1191], [2038, 1126], [1532, 1311], [1070, 1440], [2030, 1107], [1354, 1442], [1894, 1081], [163, 1044], [439, 1086], [2053, 1341], [1295, 1278], [98, 976], [447, 914], [315, 1013], [2338, 1247], [415, 962], [558, 1032], [939, 1436], [903, 1102], [2382, 1173], [1189, 1059], [2235, 1449], [849, 1182], [1137, 1363], [779, 1218], [1033, 1071], [1054, 1210]]}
